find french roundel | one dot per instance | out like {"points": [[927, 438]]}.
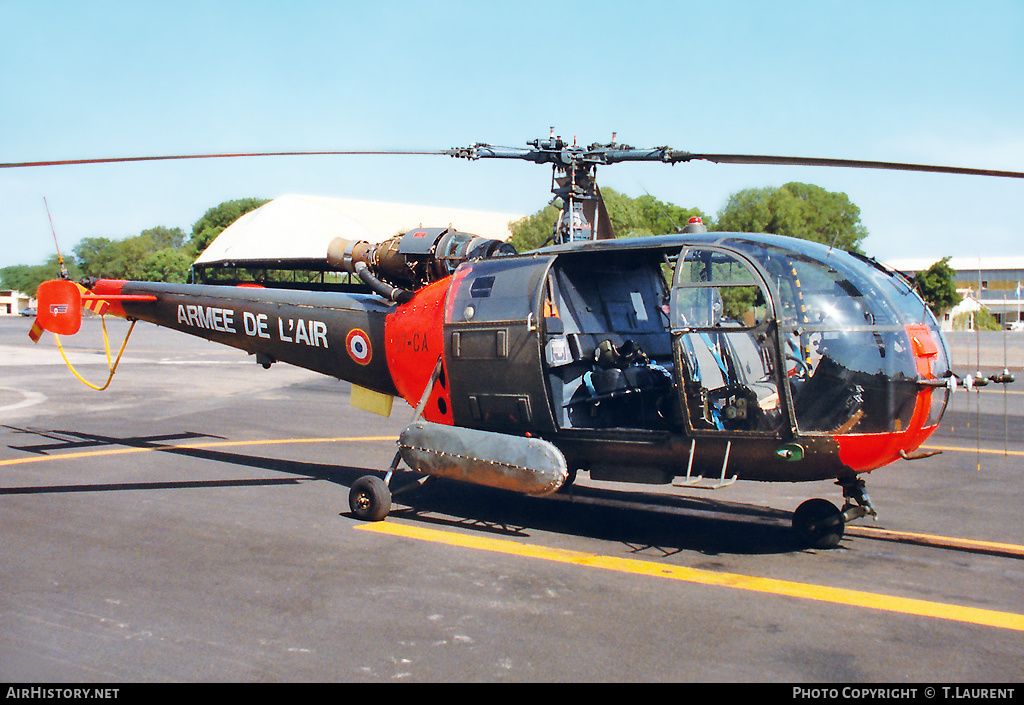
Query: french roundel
{"points": [[358, 345]]}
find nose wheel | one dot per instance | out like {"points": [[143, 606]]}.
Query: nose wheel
{"points": [[821, 524]]}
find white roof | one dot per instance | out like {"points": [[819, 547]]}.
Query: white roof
{"points": [[296, 227], [959, 264]]}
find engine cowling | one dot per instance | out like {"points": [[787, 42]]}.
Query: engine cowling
{"points": [[412, 260]]}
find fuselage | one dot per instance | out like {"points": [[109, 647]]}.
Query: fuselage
{"points": [[644, 359]]}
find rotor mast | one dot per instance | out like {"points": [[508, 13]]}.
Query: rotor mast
{"points": [[583, 215]]}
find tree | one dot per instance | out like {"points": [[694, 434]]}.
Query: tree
{"points": [[797, 210], [97, 256], [937, 287], [166, 265], [630, 217], [976, 320], [104, 258], [27, 278], [162, 237], [156, 254], [216, 219], [662, 217], [534, 230]]}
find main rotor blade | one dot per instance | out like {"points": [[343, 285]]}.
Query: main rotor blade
{"points": [[111, 160], [852, 163], [607, 155]]}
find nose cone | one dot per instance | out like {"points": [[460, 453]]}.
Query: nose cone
{"points": [[867, 451]]}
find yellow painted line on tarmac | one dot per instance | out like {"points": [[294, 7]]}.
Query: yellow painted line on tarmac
{"points": [[820, 593], [965, 449], [187, 446], [285, 441], [71, 456]]}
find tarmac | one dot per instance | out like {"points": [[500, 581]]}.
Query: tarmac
{"points": [[190, 524]]}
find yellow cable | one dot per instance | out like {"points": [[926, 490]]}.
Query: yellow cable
{"points": [[106, 343]]}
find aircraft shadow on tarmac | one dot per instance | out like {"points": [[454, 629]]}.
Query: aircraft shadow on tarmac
{"points": [[642, 521]]}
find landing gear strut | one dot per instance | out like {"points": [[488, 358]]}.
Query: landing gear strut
{"points": [[370, 496], [820, 524], [857, 504]]}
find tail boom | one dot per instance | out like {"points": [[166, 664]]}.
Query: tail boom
{"points": [[337, 334]]}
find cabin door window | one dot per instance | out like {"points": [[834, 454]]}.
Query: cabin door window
{"points": [[724, 344]]}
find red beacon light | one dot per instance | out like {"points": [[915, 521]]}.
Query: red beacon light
{"points": [[695, 225]]}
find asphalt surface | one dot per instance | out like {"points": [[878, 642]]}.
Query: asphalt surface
{"points": [[191, 523]]}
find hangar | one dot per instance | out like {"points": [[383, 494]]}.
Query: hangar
{"points": [[287, 238]]}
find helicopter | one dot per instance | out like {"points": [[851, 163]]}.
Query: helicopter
{"points": [[693, 359]]}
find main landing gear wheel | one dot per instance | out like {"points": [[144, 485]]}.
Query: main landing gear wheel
{"points": [[370, 498], [819, 523], [569, 480]]}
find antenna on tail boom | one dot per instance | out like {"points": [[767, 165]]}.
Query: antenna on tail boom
{"points": [[60, 258]]}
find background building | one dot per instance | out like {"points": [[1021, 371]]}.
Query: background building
{"points": [[992, 283], [12, 303]]}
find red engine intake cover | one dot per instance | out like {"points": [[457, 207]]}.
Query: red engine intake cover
{"points": [[414, 340]]}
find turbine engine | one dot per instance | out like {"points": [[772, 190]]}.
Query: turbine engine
{"points": [[409, 261]]}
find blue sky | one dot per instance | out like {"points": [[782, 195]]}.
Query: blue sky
{"points": [[927, 82]]}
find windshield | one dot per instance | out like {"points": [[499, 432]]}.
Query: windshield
{"points": [[848, 331]]}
